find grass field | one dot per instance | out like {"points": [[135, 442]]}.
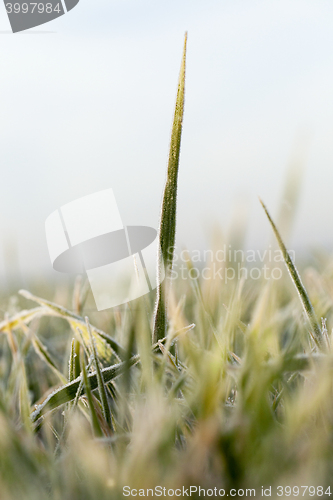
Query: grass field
{"points": [[209, 384]]}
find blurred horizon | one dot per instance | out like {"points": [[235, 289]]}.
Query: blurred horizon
{"points": [[88, 104]]}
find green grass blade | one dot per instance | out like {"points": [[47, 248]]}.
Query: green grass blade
{"points": [[86, 383], [308, 308], [101, 384], [80, 387], [83, 343], [167, 230], [71, 366]]}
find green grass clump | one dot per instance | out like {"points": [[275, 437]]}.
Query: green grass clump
{"points": [[234, 391]]}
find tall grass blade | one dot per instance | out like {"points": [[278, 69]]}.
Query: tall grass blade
{"points": [[167, 229], [308, 308]]}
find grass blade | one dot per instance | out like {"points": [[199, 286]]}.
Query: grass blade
{"points": [[71, 363], [308, 308], [167, 230]]}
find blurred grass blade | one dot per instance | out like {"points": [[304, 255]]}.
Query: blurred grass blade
{"points": [[167, 230], [308, 308], [12, 342], [102, 339], [24, 399], [80, 294], [23, 317], [100, 381], [42, 351], [86, 383], [292, 186]]}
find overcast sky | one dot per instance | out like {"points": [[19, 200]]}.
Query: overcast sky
{"points": [[87, 103]]}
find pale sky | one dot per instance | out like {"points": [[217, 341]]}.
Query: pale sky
{"points": [[89, 106]]}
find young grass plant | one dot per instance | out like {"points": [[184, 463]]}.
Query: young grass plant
{"points": [[167, 230]]}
